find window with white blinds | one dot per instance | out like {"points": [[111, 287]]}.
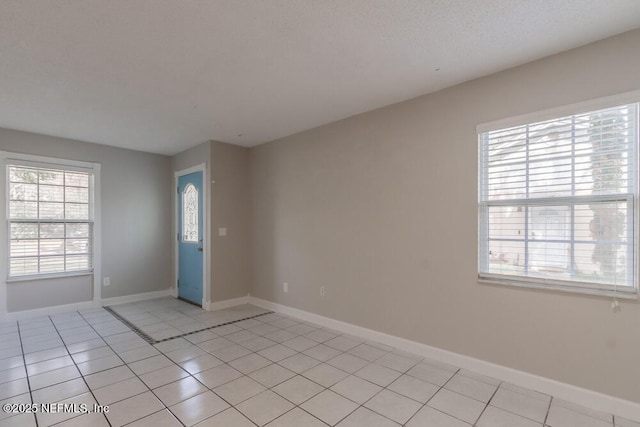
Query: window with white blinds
{"points": [[558, 202], [50, 220]]}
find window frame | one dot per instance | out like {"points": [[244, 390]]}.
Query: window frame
{"points": [[93, 170], [573, 286]]}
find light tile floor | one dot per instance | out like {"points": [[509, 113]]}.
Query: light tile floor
{"points": [[271, 370], [165, 318]]}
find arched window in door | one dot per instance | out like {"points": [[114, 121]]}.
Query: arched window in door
{"points": [[190, 214]]}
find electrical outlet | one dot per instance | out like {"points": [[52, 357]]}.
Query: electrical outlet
{"points": [[322, 291], [106, 281], [285, 287]]}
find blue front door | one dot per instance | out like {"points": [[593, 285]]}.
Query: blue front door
{"points": [[190, 239]]}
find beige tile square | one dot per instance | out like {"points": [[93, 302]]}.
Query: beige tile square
{"points": [[457, 405], [162, 418], [299, 363], [217, 376], [431, 417], [198, 408], [119, 391], [348, 363], [471, 387], [12, 374], [623, 422], [228, 418], [94, 353], [249, 363], [163, 376], [239, 390], [299, 343], [200, 363], [356, 389], [526, 405], [183, 354], [298, 389], [325, 375], [560, 416], [49, 378], [363, 417], [180, 390], [141, 353], [271, 375], [344, 343], [414, 388], [277, 352], [48, 419], [496, 417], [111, 376], [230, 353], [296, 418], [322, 352], [60, 391], [330, 407], [264, 407], [133, 408], [49, 365], [378, 374], [393, 406], [101, 364], [367, 352], [430, 373], [93, 419], [151, 364]]}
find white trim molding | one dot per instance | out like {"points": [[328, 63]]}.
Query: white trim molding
{"points": [[588, 398], [47, 311], [565, 110], [220, 305], [85, 305], [135, 297]]}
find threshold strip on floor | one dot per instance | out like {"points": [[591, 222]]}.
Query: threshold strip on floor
{"points": [[150, 340]]}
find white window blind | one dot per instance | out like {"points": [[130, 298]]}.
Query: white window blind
{"points": [[558, 201], [50, 221]]}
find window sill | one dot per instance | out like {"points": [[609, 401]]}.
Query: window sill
{"points": [[607, 293], [37, 277]]}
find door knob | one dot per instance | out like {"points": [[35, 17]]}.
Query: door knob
{"points": [[200, 249]]}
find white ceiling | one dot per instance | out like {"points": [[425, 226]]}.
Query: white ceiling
{"points": [[165, 75]]}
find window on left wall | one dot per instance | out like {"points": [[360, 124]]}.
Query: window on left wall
{"points": [[50, 220]]}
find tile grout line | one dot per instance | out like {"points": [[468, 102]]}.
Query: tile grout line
{"points": [[487, 404], [442, 387], [76, 365], [136, 376], [546, 417], [26, 373], [153, 341], [176, 364]]}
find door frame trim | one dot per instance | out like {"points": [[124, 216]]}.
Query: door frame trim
{"points": [[202, 167]]}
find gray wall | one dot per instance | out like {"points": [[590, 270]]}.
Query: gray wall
{"points": [[136, 208], [381, 209], [230, 256]]}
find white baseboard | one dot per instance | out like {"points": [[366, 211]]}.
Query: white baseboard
{"points": [[135, 297], [46, 311], [219, 305], [587, 398]]}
